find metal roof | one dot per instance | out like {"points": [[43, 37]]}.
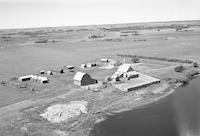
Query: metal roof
{"points": [[78, 76], [125, 68]]}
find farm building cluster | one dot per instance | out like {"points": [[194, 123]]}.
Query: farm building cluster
{"points": [[125, 78], [41, 79], [124, 71], [35, 78], [88, 65]]}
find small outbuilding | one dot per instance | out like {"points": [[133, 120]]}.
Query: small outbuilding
{"points": [[61, 71], [94, 64], [89, 65], [70, 66], [83, 65], [25, 78], [49, 73], [42, 72], [43, 80], [104, 60], [40, 79], [83, 79]]}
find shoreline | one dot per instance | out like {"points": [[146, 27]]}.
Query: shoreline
{"points": [[143, 102], [172, 89]]}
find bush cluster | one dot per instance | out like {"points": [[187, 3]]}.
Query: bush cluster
{"points": [[179, 68], [135, 59], [158, 58]]}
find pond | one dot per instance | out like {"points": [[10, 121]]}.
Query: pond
{"points": [[176, 115]]}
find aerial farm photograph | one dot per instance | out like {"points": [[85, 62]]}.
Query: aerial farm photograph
{"points": [[99, 68]]}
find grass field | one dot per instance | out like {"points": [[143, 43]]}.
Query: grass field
{"points": [[21, 54]]}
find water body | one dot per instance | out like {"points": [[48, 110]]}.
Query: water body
{"points": [[176, 115]]}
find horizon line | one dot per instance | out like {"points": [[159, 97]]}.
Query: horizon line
{"points": [[146, 22]]}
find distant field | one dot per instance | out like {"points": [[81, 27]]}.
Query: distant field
{"points": [[19, 60]]}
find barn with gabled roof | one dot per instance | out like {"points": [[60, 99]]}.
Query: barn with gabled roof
{"points": [[83, 79]]}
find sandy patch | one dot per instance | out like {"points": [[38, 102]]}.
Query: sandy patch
{"points": [[62, 112]]}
